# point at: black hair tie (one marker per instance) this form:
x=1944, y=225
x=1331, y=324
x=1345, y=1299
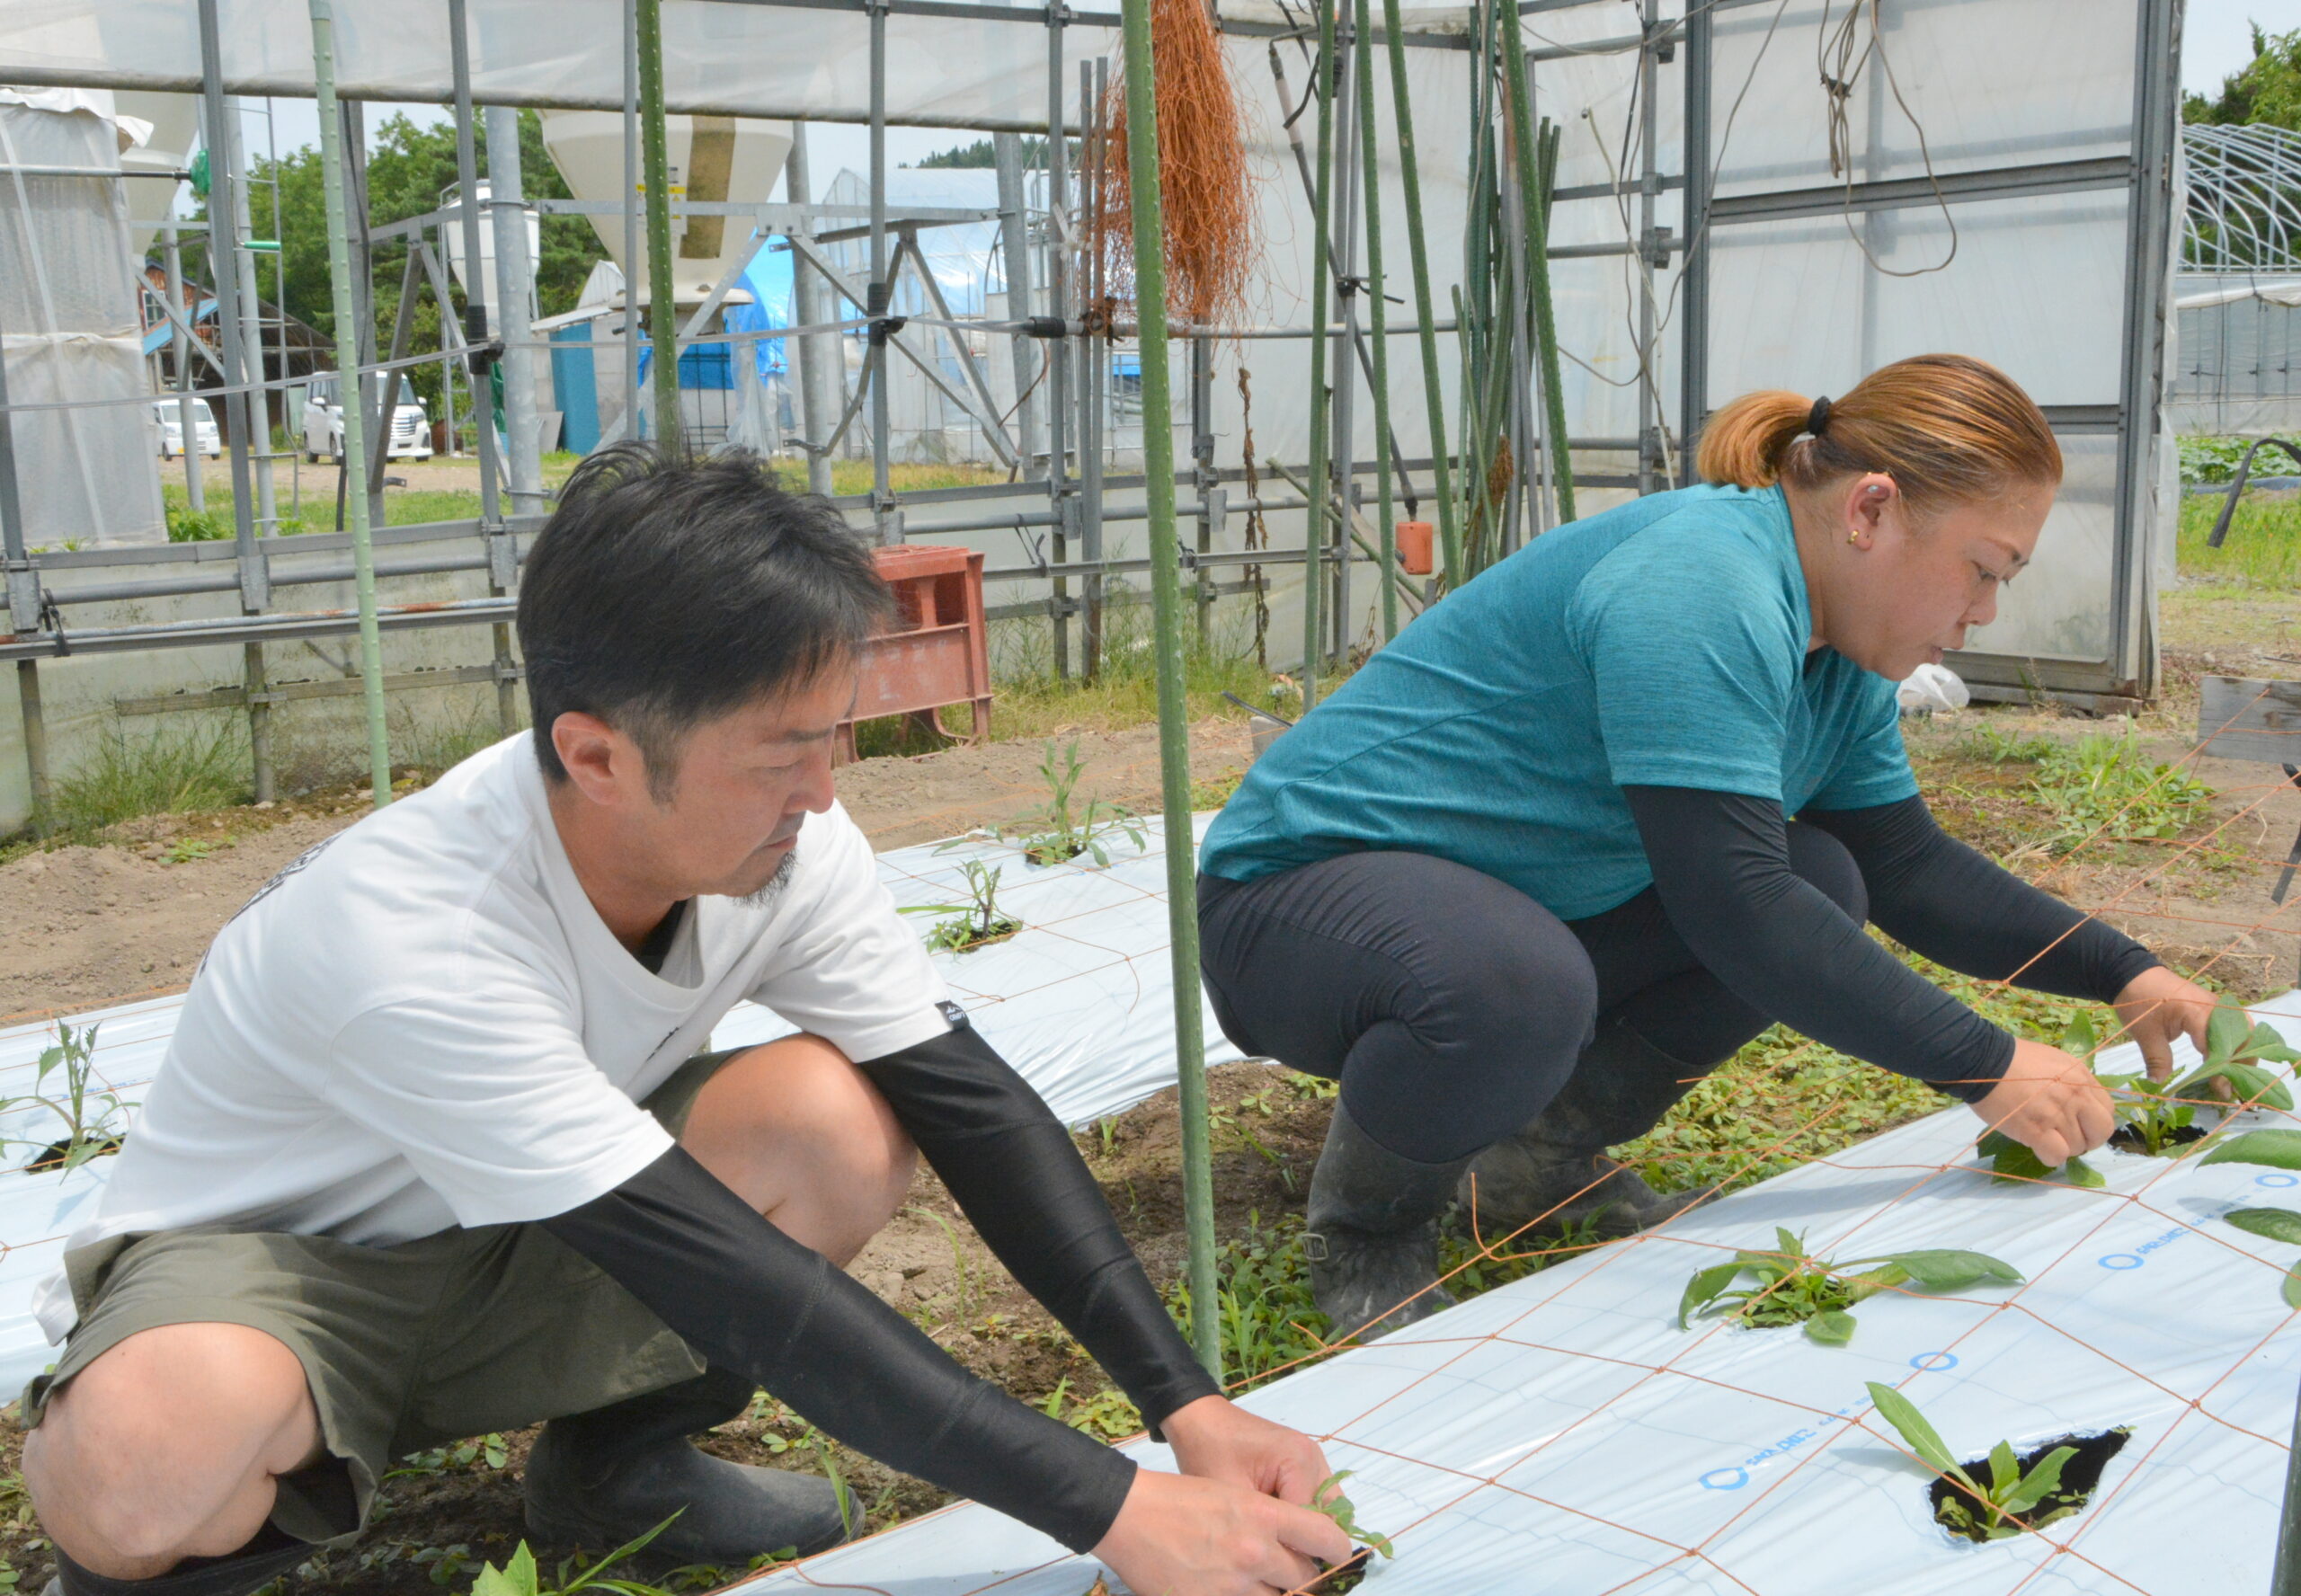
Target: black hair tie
x=1818, y=417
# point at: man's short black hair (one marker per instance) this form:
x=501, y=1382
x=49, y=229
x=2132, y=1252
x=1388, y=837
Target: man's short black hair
x=666, y=591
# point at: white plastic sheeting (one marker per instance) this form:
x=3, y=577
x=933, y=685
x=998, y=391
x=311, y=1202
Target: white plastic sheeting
x=1561, y=1434
x=1080, y=1001
x=70, y=328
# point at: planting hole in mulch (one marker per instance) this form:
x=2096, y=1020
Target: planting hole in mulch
x=53, y=1154
x=2126, y=1139
x=2079, y=1475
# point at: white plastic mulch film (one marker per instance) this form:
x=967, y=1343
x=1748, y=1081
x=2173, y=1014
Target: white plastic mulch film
x=1562, y=1435
x=1080, y=1001
x=70, y=324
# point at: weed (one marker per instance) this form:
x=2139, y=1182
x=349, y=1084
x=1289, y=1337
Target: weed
x=519, y=1577
x=486, y=1450
x=974, y=925
x=2211, y=459
x=1329, y=1500
x=1263, y=1296
x=958, y=1257
x=184, y=850
x=1796, y=1288
x=1108, y=1412
x=2101, y=786
x=169, y=772
x=1470, y=1265
x=1991, y=745
x=2262, y=547
x=2002, y=1508
x=1062, y=828
x=91, y=1114
x=1317, y=1088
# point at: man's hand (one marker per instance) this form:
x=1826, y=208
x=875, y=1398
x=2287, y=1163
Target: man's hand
x=2158, y=1005
x=1215, y=1439
x=1179, y=1536
x=2050, y=1103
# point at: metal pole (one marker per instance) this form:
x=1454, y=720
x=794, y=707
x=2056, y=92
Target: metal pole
x=663, y=321
x=24, y=611
x=355, y=452
x=1174, y=726
x=1533, y=191
x=1651, y=463
x=187, y=406
x=1370, y=153
x=1344, y=252
x=515, y=310
x=1314, y=525
x=878, y=292
x=2285, y=1580
x=1006, y=153
x=1693, y=280
x=634, y=185
x=1418, y=255
x=224, y=265
x=819, y=401
x=1062, y=350
x=267, y=507
x=1094, y=387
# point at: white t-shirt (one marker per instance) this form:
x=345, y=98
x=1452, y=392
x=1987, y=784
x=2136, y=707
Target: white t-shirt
x=423, y=1022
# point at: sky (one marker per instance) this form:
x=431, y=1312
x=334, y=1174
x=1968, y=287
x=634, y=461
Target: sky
x=2215, y=42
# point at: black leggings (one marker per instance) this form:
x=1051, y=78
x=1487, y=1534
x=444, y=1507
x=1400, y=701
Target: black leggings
x=1451, y=1007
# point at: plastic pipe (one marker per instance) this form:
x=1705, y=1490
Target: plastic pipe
x=1533, y=189
x=1370, y=153
x=1419, y=256
x=663, y=332
x=1174, y=714
x=355, y=444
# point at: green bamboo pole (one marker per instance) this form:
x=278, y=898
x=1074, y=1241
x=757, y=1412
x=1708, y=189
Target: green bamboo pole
x=355, y=421
x=1174, y=712
x=1314, y=526
x=662, y=315
x=1419, y=254
x=1369, y=152
x=1535, y=194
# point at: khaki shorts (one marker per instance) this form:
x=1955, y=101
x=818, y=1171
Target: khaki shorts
x=404, y=1347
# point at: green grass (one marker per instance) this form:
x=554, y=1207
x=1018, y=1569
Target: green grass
x=202, y=764
x=2263, y=548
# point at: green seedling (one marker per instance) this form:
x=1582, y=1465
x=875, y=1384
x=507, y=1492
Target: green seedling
x=2277, y=1224
x=1062, y=828
x=92, y=1114
x=2158, y=1117
x=1793, y=1287
x=2012, y=1162
x=1329, y=1500
x=519, y=1576
x=974, y=924
x=2008, y=1505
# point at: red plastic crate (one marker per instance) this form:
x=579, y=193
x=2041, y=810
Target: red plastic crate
x=937, y=650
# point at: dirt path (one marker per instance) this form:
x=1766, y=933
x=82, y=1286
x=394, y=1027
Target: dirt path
x=91, y=926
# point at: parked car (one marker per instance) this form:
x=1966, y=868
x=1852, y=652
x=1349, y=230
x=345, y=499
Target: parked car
x=169, y=414
x=411, y=436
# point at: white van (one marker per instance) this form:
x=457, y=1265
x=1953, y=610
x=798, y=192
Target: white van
x=411, y=436
x=169, y=414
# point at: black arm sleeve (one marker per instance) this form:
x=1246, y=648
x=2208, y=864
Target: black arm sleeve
x=749, y=1298
x=1721, y=867
x=1020, y=1180
x=1933, y=893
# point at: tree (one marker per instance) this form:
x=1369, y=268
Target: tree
x=409, y=168
x=2267, y=90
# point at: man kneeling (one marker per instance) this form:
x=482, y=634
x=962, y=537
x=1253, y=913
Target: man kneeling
x=435, y=1153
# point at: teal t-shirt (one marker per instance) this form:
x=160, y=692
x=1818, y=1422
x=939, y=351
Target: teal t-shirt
x=1661, y=644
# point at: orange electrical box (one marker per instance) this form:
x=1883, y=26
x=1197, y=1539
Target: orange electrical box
x=1414, y=548
x=937, y=649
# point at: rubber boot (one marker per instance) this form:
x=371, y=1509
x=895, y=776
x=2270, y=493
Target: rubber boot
x=1553, y=1174
x=1372, y=1235
x=251, y=1568
x=602, y=1479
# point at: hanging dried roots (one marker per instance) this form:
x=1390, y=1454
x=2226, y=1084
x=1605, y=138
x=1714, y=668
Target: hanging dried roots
x=1203, y=184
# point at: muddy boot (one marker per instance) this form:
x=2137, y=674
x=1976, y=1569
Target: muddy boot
x=601, y=1478
x=1372, y=1235
x=1553, y=1173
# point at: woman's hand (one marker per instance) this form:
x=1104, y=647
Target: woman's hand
x=2050, y=1103
x=1206, y=1537
x=1215, y=1439
x=2159, y=1005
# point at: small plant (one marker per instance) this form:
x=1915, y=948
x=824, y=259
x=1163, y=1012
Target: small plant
x=2158, y=1118
x=2102, y=786
x=90, y=1112
x=974, y=924
x=184, y=850
x=2277, y=1224
x=2015, y=1499
x=2013, y=1163
x=1062, y=828
x=519, y=1576
x=1793, y=1287
x=486, y=1449
x=1329, y=1500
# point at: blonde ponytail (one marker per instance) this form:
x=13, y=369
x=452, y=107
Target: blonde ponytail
x=1742, y=445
